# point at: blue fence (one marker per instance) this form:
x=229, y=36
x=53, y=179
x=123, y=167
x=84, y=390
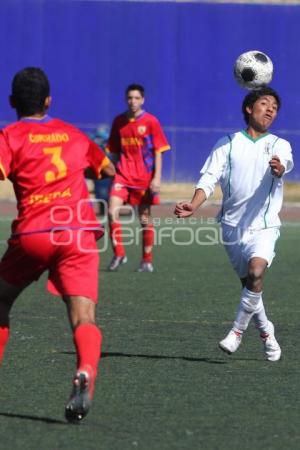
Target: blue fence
x=182, y=52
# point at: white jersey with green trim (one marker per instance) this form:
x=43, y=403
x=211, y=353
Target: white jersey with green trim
x=252, y=196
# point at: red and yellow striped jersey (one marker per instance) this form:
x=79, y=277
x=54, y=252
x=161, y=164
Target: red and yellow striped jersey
x=136, y=141
x=45, y=160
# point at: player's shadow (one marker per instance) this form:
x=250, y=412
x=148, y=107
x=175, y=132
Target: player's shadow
x=182, y=358
x=142, y=355
x=35, y=418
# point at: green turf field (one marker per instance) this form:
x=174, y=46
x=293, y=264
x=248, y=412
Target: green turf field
x=163, y=383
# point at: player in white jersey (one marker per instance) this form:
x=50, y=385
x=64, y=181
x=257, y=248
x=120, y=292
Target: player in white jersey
x=249, y=166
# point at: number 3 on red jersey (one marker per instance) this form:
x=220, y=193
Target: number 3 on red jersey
x=58, y=162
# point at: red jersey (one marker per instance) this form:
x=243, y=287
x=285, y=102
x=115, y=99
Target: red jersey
x=136, y=141
x=45, y=160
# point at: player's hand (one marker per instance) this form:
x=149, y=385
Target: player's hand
x=184, y=209
x=155, y=185
x=277, y=168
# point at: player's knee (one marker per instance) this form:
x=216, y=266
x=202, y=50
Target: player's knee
x=81, y=319
x=113, y=213
x=255, y=278
x=9, y=292
x=145, y=220
x=81, y=310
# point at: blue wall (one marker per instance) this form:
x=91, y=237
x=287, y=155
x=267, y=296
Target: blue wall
x=182, y=52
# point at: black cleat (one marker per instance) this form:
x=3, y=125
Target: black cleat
x=79, y=402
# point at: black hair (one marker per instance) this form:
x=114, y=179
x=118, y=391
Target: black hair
x=253, y=96
x=30, y=87
x=136, y=87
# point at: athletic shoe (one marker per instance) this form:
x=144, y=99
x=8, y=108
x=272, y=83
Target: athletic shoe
x=116, y=262
x=145, y=267
x=271, y=347
x=80, y=400
x=231, y=342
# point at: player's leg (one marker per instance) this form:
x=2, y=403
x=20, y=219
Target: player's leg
x=232, y=244
x=87, y=340
x=265, y=327
x=256, y=271
x=87, y=335
x=236, y=242
x=144, y=211
x=17, y=270
x=74, y=275
x=258, y=250
x=263, y=247
x=115, y=227
x=250, y=303
x=8, y=294
x=259, y=317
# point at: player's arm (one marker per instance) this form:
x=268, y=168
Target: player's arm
x=156, y=180
x=113, y=146
x=186, y=209
x=211, y=172
x=5, y=157
x=277, y=168
x=282, y=162
x=160, y=145
x=105, y=172
x=108, y=170
x=3, y=175
x=99, y=165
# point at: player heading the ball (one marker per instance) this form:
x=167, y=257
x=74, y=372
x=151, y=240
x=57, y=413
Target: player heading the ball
x=249, y=165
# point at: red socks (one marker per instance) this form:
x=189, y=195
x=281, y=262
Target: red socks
x=4, y=336
x=148, y=241
x=116, y=238
x=87, y=340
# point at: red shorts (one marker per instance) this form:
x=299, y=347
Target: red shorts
x=134, y=196
x=70, y=256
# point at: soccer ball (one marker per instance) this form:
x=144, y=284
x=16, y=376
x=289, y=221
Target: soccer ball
x=253, y=69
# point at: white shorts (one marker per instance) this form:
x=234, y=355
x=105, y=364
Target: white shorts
x=243, y=245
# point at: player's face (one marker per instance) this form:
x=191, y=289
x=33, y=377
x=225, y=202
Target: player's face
x=135, y=102
x=263, y=113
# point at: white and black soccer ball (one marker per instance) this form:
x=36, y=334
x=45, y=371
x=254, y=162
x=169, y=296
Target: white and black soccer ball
x=253, y=69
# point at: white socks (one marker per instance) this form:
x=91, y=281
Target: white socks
x=260, y=319
x=251, y=305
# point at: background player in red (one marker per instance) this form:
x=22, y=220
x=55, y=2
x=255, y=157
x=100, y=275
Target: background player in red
x=138, y=140
x=56, y=227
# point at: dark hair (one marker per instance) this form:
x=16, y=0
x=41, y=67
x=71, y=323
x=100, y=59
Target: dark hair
x=253, y=96
x=136, y=87
x=30, y=88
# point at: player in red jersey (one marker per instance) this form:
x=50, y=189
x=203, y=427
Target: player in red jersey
x=56, y=227
x=138, y=140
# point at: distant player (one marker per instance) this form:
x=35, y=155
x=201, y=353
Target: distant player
x=249, y=165
x=138, y=141
x=102, y=186
x=56, y=227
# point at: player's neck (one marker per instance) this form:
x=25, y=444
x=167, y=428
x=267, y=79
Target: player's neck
x=255, y=133
x=35, y=116
x=134, y=114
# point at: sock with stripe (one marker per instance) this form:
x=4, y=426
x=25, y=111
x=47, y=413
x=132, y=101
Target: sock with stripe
x=248, y=306
x=4, y=337
x=116, y=238
x=148, y=241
